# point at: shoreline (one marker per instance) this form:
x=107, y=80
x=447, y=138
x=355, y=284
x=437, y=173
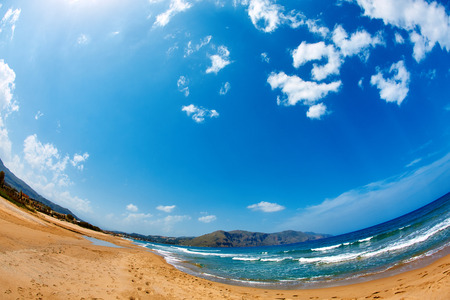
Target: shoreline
x=45, y=258
x=397, y=269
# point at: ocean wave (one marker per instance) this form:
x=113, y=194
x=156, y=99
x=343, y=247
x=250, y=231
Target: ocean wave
x=365, y=240
x=222, y=255
x=243, y=258
x=416, y=240
x=277, y=259
x=326, y=248
x=331, y=259
x=368, y=254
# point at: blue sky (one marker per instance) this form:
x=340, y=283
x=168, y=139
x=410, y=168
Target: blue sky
x=180, y=117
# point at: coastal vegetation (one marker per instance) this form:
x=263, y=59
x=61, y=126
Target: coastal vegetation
x=20, y=199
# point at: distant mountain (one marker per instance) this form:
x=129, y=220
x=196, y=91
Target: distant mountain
x=156, y=238
x=20, y=185
x=236, y=238
x=239, y=238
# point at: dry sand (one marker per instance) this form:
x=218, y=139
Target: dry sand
x=44, y=258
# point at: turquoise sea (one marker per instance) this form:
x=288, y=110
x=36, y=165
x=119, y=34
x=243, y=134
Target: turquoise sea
x=395, y=246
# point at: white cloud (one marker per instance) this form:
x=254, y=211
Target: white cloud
x=266, y=207
x=43, y=156
x=298, y=90
x=264, y=14
x=38, y=115
x=399, y=38
x=64, y=198
x=421, y=46
x=316, y=111
x=316, y=29
x=376, y=202
x=358, y=42
x=427, y=23
x=361, y=83
x=207, y=219
x=267, y=16
x=414, y=162
x=182, y=85
x=176, y=6
x=225, y=88
x=9, y=19
x=137, y=218
x=131, y=207
x=190, y=49
x=78, y=160
x=265, y=57
x=169, y=222
x=83, y=39
x=167, y=208
x=308, y=52
x=219, y=60
x=42, y=166
x=393, y=89
x=7, y=78
x=7, y=106
x=199, y=113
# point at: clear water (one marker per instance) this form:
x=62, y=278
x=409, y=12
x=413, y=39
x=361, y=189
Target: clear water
x=400, y=242
x=98, y=242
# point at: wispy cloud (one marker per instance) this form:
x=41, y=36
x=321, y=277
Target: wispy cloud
x=414, y=162
x=267, y=207
x=190, y=48
x=183, y=85
x=399, y=38
x=396, y=88
x=226, y=86
x=265, y=57
x=166, y=208
x=83, y=39
x=38, y=115
x=376, y=202
x=9, y=20
x=78, y=160
x=199, y=114
x=207, y=219
x=176, y=6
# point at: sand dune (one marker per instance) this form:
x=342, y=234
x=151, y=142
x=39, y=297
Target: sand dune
x=44, y=258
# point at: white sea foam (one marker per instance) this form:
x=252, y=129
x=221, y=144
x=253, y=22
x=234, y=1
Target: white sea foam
x=277, y=259
x=428, y=253
x=169, y=257
x=365, y=240
x=326, y=248
x=331, y=259
x=417, y=239
x=243, y=258
x=223, y=255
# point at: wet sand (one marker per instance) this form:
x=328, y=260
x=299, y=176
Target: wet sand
x=45, y=258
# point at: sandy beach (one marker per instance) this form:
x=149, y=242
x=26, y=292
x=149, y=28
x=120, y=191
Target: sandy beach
x=45, y=258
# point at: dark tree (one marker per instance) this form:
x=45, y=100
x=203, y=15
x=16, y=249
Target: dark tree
x=2, y=178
